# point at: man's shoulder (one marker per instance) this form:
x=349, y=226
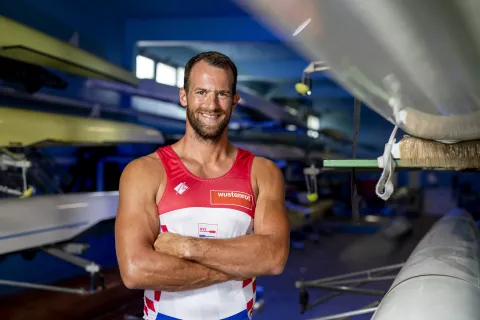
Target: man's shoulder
x=264, y=167
x=263, y=162
x=268, y=178
x=145, y=166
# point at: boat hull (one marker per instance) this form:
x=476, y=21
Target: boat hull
x=413, y=62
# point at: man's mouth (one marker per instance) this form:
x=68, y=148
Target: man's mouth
x=210, y=116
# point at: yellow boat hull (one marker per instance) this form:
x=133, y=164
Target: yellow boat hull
x=20, y=127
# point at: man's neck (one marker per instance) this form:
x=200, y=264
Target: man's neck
x=204, y=151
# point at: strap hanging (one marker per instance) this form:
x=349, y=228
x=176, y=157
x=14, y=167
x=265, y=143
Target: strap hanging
x=385, y=188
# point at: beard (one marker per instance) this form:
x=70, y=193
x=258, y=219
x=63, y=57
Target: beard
x=204, y=131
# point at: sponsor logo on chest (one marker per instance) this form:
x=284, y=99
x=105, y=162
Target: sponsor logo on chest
x=181, y=188
x=206, y=230
x=231, y=198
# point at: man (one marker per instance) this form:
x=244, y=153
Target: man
x=205, y=197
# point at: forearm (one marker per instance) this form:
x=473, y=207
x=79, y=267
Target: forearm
x=152, y=270
x=246, y=256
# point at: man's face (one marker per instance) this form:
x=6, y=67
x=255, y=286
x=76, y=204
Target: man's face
x=209, y=101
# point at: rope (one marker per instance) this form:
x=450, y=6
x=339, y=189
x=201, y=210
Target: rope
x=385, y=188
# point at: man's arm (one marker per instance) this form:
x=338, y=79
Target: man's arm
x=262, y=253
x=136, y=228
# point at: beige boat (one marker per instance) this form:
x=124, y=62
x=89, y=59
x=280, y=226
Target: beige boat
x=19, y=127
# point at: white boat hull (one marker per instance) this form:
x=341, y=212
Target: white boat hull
x=45, y=220
x=440, y=280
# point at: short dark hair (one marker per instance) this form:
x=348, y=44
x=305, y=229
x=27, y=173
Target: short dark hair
x=212, y=58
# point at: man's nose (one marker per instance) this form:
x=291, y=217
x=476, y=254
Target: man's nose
x=212, y=100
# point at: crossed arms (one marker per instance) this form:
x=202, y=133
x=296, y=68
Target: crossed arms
x=176, y=263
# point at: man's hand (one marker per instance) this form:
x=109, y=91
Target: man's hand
x=172, y=244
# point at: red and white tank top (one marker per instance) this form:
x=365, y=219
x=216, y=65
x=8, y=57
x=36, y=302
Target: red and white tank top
x=218, y=208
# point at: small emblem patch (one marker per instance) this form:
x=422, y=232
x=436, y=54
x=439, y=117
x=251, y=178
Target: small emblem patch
x=181, y=188
x=206, y=230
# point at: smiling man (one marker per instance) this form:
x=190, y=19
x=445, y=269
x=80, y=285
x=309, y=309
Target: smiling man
x=198, y=220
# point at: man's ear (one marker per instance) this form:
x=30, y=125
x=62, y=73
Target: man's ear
x=236, y=99
x=183, y=97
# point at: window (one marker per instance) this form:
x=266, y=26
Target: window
x=166, y=74
x=180, y=75
x=145, y=68
x=162, y=73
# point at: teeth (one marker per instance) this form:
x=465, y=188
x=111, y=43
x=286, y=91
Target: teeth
x=211, y=116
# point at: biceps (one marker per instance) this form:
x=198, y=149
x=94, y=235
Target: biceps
x=271, y=218
x=134, y=231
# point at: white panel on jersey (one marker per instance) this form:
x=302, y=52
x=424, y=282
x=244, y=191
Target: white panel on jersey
x=213, y=223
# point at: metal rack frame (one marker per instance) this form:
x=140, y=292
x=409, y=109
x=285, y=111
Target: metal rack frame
x=93, y=269
x=347, y=283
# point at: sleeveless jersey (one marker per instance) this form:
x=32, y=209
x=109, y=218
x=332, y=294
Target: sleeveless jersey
x=217, y=208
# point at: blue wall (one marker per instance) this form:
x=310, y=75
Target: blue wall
x=100, y=28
